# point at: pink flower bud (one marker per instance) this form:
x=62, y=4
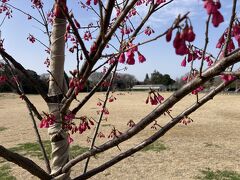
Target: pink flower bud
x=184, y=62
x=169, y=35
x=141, y=58
x=121, y=58
x=217, y=19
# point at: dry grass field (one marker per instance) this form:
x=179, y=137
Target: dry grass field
x=211, y=141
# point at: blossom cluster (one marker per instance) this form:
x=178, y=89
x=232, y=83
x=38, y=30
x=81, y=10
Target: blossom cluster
x=191, y=76
x=77, y=84
x=31, y=38
x=68, y=124
x=72, y=128
x=227, y=77
x=115, y=133
x=154, y=98
x=212, y=7
x=235, y=34
x=182, y=36
x=47, y=121
x=131, y=123
x=157, y=2
x=3, y=79
x=85, y=123
x=130, y=59
x=196, y=54
x=88, y=2
x=186, y=120
x=5, y=9
x=37, y=3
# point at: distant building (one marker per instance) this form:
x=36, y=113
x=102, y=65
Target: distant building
x=159, y=87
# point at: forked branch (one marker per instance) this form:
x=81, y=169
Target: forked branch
x=157, y=135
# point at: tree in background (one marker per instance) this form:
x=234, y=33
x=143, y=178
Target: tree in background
x=147, y=80
x=102, y=45
x=158, y=78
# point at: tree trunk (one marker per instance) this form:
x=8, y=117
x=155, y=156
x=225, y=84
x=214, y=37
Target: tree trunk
x=57, y=87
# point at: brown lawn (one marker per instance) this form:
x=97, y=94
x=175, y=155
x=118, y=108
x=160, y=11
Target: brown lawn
x=211, y=141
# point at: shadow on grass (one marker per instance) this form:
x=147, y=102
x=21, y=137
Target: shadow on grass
x=33, y=149
x=211, y=145
x=209, y=174
x=156, y=146
x=2, y=129
x=5, y=171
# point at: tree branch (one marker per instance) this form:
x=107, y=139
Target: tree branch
x=81, y=104
x=24, y=162
x=225, y=49
x=100, y=117
x=77, y=35
x=30, y=106
x=206, y=43
x=155, y=136
x=24, y=71
x=214, y=70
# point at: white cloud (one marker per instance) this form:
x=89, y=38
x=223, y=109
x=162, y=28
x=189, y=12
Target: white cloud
x=172, y=10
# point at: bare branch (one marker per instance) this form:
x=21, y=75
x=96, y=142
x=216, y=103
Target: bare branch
x=24, y=162
x=24, y=71
x=174, y=26
x=39, y=139
x=81, y=104
x=113, y=29
x=225, y=49
x=214, y=70
x=100, y=117
x=155, y=136
x=236, y=73
x=77, y=35
x=24, y=13
x=206, y=43
x=29, y=106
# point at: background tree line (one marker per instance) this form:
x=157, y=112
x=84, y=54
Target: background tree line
x=158, y=78
x=123, y=81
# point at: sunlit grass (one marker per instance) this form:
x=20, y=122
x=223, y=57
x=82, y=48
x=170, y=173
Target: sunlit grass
x=33, y=149
x=209, y=174
x=5, y=173
x=156, y=146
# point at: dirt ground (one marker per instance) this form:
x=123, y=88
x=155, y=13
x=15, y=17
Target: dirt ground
x=211, y=141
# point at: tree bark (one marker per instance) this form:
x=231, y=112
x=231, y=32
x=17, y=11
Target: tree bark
x=24, y=162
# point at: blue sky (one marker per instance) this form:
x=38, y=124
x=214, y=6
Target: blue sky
x=159, y=54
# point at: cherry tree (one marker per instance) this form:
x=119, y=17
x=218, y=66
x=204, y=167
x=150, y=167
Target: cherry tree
x=115, y=38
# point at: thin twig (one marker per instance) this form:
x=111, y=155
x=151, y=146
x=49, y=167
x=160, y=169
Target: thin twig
x=100, y=118
x=214, y=70
x=229, y=32
x=205, y=46
x=24, y=71
x=77, y=35
x=39, y=139
x=24, y=13
x=155, y=136
x=81, y=104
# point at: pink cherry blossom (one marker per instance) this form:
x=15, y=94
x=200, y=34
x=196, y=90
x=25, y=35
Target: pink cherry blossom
x=184, y=62
x=141, y=58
